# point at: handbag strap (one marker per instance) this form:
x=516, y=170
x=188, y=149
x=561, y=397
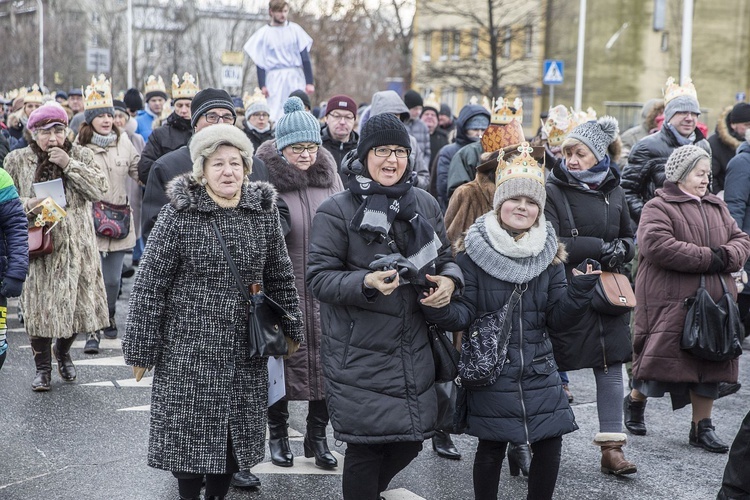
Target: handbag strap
x=512, y=303
x=568, y=211
x=230, y=261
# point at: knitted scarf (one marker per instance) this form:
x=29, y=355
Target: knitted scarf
x=591, y=177
x=684, y=141
x=45, y=169
x=103, y=141
x=381, y=205
x=503, y=257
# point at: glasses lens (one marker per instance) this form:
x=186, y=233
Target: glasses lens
x=401, y=153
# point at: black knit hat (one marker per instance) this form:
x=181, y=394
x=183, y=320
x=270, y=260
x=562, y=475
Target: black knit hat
x=381, y=130
x=208, y=99
x=412, y=99
x=740, y=113
x=304, y=97
x=133, y=100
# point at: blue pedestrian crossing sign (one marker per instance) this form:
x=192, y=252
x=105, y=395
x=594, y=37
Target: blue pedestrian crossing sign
x=553, y=72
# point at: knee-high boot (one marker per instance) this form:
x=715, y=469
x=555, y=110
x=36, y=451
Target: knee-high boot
x=65, y=366
x=278, y=441
x=40, y=347
x=315, y=440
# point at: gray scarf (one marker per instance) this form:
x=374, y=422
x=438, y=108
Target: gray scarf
x=502, y=257
x=103, y=141
x=684, y=141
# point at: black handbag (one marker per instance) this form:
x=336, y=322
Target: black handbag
x=264, y=315
x=445, y=355
x=111, y=221
x=713, y=330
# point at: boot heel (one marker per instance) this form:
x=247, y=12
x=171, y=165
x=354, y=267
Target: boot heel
x=308, y=449
x=515, y=470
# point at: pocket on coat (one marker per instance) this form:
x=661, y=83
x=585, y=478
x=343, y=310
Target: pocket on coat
x=545, y=365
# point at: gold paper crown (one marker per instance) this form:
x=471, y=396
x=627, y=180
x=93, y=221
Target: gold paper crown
x=431, y=102
x=579, y=117
x=502, y=114
x=32, y=95
x=248, y=100
x=187, y=90
x=523, y=166
x=558, y=125
x=673, y=90
x=155, y=85
x=98, y=94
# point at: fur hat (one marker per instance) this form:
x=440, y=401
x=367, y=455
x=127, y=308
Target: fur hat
x=682, y=161
x=208, y=99
x=520, y=177
x=596, y=135
x=205, y=142
x=47, y=116
x=381, y=130
x=297, y=125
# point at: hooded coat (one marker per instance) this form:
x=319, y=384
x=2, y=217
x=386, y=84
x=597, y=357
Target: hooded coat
x=644, y=173
x=377, y=360
x=303, y=191
x=675, y=237
x=174, y=134
x=600, y=215
x=188, y=320
x=724, y=144
x=64, y=291
x=447, y=152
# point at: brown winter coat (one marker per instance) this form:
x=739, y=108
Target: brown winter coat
x=468, y=202
x=675, y=235
x=119, y=162
x=303, y=191
x=64, y=292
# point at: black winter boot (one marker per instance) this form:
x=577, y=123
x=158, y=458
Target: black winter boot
x=40, y=347
x=315, y=440
x=704, y=436
x=65, y=366
x=633, y=413
x=278, y=440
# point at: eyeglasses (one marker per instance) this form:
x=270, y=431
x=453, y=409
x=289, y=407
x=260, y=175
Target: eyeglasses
x=216, y=118
x=298, y=150
x=57, y=130
x=340, y=117
x=260, y=115
x=386, y=152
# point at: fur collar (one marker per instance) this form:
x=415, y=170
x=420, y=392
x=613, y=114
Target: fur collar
x=185, y=194
x=725, y=133
x=285, y=177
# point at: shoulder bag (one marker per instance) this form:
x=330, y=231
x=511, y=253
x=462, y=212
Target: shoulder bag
x=265, y=330
x=713, y=330
x=40, y=241
x=111, y=221
x=444, y=354
x=613, y=294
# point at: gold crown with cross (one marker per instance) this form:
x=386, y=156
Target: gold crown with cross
x=98, y=94
x=154, y=84
x=33, y=94
x=522, y=166
x=503, y=113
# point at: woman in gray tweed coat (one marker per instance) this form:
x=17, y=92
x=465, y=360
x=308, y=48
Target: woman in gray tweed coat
x=188, y=321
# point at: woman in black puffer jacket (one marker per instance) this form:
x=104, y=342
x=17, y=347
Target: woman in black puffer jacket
x=512, y=248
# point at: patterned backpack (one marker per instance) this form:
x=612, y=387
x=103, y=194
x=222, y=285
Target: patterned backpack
x=485, y=346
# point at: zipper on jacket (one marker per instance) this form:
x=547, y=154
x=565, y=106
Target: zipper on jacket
x=520, y=377
x=346, y=346
x=606, y=209
x=310, y=305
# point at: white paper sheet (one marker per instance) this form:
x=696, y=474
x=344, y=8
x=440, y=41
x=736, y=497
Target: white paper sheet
x=276, y=382
x=53, y=189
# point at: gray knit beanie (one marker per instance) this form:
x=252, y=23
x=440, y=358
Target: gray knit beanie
x=90, y=114
x=596, y=135
x=521, y=176
x=205, y=142
x=297, y=125
x=679, y=104
x=259, y=106
x=682, y=161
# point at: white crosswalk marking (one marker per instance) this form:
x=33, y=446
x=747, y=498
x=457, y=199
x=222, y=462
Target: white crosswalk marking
x=302, y=465
x=137, y=408
x=78, y=344
x=108, y=361
x=128, y=382
x=401, y=494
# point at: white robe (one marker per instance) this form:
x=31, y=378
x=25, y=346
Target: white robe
x=276, y=49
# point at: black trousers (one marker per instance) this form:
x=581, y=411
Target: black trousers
x=369, y=468
x=736, y=482
x=217, y=485
x=545, y=465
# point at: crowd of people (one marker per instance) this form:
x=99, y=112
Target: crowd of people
x=373, y=225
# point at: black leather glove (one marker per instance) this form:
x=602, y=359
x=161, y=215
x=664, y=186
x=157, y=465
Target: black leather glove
x=613, y=253
x=406, y=269
x=718, y=260
x=11, y=287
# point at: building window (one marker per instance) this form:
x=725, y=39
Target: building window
x=660, y=14
x=474, y=43
x=445, y=45
x=664, y=41
x=95, y=18
x=456, y=45
x=94, y=40
x=528, y=41
x=448, y=96
x=507, y=37
x=427, y=43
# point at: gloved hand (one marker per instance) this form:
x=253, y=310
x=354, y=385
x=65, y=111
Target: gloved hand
x=718, y=260
x=11, y=287
x=613, y=253
x=385, y=262
x=292, y=345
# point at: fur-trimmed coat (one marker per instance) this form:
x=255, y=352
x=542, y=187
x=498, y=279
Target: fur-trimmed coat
x=724, y=144
x=468, y=202
x=303, y=191
x=64, y=292
x=188, y=320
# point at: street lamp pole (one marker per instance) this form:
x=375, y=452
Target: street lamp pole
x=130, y=44
x=579, y=58
x=687, y=41
x=40, y=13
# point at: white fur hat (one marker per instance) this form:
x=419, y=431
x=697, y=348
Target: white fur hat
x=204, y=143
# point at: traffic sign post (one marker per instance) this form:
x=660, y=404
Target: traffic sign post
x=553, y=75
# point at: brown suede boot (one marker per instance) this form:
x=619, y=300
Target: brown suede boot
x=61, y=350
x=40, y=348
x=613, y=459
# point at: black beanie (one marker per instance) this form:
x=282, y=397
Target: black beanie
x=412, y=99
x=119, y=105
x=381, y=130
x=446, y=111
x=303, y=97
x=740, y=113
x=132, y=100
x=208, y=99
